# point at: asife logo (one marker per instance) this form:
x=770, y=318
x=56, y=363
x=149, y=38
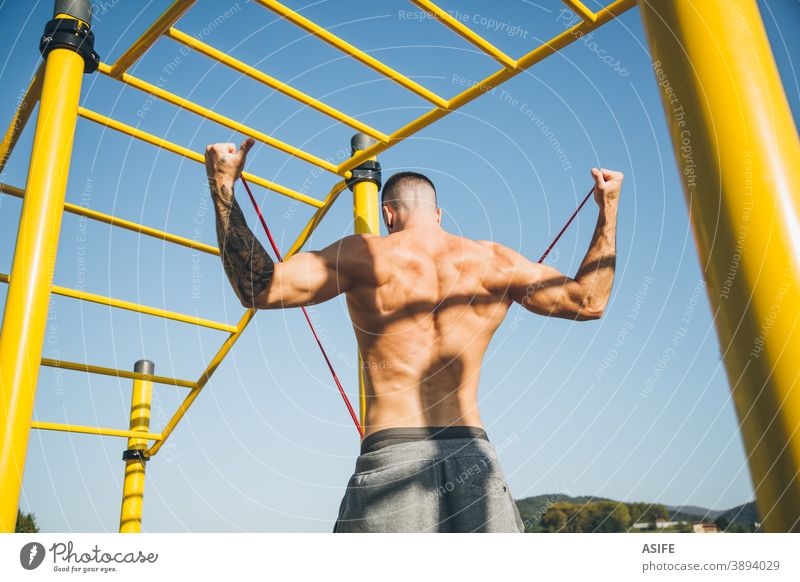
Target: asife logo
x=31, y=555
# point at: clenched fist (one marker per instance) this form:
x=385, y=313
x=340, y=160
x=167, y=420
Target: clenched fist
x=224, y=163
x=607, y=184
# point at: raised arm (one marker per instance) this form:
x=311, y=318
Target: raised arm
x=258, y=282
x=542, y=289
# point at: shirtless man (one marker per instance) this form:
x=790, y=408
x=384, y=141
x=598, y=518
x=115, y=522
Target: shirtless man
x=424, y=305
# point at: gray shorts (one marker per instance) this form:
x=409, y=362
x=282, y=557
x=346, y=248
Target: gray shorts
x=428, y=480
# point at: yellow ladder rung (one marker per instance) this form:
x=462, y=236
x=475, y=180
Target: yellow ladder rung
x=189, y=154
x=141, y=45
x=466, y=33
x=349, y=49
x=136, y=307
x=92, y=369
x=581, y=10
x=97, y=430
x=218, y=118
x=122, y=223
x=261, y=77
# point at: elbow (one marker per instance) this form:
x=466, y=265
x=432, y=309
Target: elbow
x=590, y=314
x=592, y=309
x=248, y=302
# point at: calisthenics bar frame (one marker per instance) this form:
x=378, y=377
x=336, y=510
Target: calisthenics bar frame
x=679, y=53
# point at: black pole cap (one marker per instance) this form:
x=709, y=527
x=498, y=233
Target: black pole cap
x=80, y=9
x=144, y=367
x=361, y=141
x=74, y=33
x=368, y=170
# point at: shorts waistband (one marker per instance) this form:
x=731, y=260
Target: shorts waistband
x=393, y=436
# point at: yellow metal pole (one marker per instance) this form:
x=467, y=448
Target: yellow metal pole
x=25, y=313
x=130, y=518
x=365, y=183
x=739, y=158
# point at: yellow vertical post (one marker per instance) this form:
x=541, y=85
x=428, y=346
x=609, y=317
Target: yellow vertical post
x=739, y=159
x=365, y=183
x=130, y=518
x=25, y=313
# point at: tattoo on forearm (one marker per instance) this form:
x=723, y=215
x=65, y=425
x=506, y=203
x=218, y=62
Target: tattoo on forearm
x=248, y=266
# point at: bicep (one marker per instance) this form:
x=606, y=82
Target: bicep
x=543, y=289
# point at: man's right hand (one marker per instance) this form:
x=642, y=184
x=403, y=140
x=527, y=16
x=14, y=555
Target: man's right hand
x=607, y=184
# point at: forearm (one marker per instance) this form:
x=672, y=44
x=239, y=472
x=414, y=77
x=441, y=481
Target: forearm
x=596, y=273
x=248, y=266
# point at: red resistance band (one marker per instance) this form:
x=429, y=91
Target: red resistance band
x=305, y=313
x=311, y=325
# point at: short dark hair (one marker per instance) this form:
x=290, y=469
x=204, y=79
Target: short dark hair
x=398, y=182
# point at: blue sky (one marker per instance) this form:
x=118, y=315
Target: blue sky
x=630, y=407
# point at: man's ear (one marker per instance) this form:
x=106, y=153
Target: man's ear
x=439, y=215
x=388, y=217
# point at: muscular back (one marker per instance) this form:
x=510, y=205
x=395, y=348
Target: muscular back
x=424, y=309
x=424, y=303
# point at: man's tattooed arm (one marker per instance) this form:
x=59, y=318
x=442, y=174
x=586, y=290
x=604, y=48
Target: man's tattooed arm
x=247, y=264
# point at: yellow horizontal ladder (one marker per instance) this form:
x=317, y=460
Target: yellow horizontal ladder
x=189, y=154
x=347, y=48
x=279, y=86
x=135, y=307
x=121, y=223
x=104, y=371
x=538, y=54
x=115, y=432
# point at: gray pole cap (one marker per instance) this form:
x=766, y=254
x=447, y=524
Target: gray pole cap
x=361, y=141
x=144, y=367
x=80, y=9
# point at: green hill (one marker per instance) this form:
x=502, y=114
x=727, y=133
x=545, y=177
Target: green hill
x=586, y=513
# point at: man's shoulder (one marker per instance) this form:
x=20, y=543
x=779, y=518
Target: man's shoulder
x=495, y=251
x=357, y=242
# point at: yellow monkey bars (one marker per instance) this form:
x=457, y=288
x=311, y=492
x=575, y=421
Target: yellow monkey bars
x=365, y=201
x=23, y=323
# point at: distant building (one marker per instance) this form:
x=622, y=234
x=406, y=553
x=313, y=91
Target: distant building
x=705, y=527
x=660, y=524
